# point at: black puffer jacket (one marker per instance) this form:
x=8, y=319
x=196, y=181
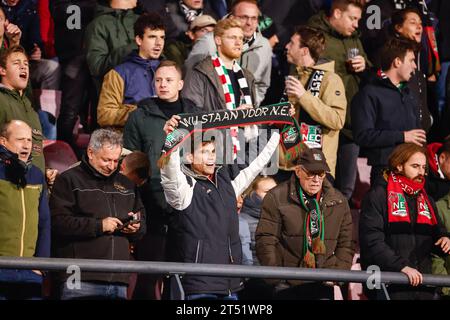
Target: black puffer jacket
x=394, y=246
x=81, y=199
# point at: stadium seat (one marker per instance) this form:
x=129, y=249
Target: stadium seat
x=58, y=155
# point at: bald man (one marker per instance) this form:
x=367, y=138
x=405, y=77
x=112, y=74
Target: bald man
x=24, y=213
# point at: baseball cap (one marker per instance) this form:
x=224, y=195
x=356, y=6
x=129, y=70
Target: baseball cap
x=313, y=160
x=202, y=21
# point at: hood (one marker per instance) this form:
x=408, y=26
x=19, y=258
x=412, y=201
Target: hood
x=15, y=169
x=433, y=160
x=252, y=205
x=322, y=64
x=190, y=173
x=134, y=57
x=320, y=21
x=21, y=6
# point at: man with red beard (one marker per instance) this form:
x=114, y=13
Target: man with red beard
x=438, y=182
x=399, y=226
x=218, y=82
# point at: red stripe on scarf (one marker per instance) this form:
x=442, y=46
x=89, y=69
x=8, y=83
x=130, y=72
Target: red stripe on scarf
x=398, y=210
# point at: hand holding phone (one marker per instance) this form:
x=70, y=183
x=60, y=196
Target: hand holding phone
x=130, y=224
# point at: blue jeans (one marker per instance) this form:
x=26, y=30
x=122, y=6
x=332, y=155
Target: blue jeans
x=212, y=296
x=18, y=284
x=346, y=167
x=94, y=290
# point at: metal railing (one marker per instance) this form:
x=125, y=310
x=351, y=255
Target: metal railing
x=215, y=270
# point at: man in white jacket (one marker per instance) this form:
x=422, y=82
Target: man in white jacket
x=205, y=228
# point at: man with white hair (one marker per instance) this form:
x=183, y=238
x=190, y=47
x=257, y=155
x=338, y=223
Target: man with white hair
x=96, y=212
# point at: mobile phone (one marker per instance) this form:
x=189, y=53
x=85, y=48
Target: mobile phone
x=132, y=219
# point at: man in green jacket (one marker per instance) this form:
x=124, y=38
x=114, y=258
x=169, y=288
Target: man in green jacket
x=342, y=43
x=15, y=73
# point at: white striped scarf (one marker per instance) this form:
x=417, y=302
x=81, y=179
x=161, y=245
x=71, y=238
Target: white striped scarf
x=227, y=87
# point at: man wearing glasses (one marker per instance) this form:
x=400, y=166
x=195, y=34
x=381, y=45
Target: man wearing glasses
x=307, y=223
x=256, y=52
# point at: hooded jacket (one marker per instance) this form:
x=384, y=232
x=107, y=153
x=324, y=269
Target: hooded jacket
x=437, y=184
x=206, y=227
x=336, y=48
x=280, y=232
x=81, y=198
x=328, y=110
x=24, y=213
x=382, y=113
x=109, y=39
x=123, y=87
x=257, y=59
x=14, y=106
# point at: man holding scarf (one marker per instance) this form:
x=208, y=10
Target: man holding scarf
x=317, y=93
x=305, y=222
x=400, y=227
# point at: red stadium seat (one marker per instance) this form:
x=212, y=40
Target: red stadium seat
x=58, y=155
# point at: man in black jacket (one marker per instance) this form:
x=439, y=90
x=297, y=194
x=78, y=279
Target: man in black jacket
x=399, y=226
x=91, y=205
x=385, y=111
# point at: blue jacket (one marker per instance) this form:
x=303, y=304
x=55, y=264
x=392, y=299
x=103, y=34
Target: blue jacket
x=138, y=74
x=26, y=17
x=123, y=87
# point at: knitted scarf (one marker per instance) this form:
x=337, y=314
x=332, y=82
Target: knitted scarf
x=398, y=207
x=313, y=241
x=227, y=87
x=189, y=14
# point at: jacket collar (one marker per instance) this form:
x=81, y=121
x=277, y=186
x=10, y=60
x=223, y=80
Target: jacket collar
x=134, y=57
x=150, y=107
x=92, y=171
x=330, y=197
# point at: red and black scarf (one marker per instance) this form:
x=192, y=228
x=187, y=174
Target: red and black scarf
x=398, y=210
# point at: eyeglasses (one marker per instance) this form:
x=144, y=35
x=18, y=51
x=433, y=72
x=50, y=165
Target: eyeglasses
x=234, y=38
x=311, y=175
x=247, y=18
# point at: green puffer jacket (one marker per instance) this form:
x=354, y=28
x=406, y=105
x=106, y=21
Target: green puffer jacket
x=441, y=264
x=109, y=39
x=336, y=49
x=14, y=106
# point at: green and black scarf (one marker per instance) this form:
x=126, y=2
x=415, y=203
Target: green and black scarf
x=314, y=228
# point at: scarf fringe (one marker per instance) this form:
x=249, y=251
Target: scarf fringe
x=309, y=260
x=318, y=246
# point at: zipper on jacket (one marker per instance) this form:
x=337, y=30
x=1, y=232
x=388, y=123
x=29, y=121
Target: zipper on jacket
x=22, y=194
x=198, y=251
x=229, y=251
